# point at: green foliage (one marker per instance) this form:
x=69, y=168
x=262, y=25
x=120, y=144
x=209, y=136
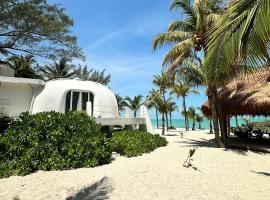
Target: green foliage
x=36, y=27
x=52, y=141
x=134, y=143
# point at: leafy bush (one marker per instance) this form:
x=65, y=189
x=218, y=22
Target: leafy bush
x=52, y=141
x=133, y=143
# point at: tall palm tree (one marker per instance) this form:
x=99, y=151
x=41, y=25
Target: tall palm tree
x=182, y=89
x=60, y=69
x=121, y=103
x=23, y=66
x=172, y=107
x=151, y=101
x=192, y=115
x=190, y=36
x=134, y=104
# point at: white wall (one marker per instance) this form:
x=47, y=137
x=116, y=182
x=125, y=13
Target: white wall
x=15, y=98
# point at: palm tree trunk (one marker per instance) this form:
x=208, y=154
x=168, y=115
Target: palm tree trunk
x=236, y=120
x=163, y=124
x=167, y=121
x=157, y=116
x=185, y=111
x=193, y=125
x=212, y=102
x=170, y=119
x=210, y=126
x=135, y=114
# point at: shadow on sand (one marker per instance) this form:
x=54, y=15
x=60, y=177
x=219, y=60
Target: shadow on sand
x=198, y=143
x=97, y=191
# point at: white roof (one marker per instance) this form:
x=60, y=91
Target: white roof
x=6, y=79
x=52, y=96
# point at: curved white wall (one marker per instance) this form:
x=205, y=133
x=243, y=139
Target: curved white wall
x=52, y=97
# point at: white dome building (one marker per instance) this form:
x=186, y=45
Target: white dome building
x=63, y=95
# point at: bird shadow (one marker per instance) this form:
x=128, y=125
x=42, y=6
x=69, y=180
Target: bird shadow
x=96, y=191
x=261, y=173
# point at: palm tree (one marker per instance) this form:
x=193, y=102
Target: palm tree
x=61, y=69
x=151, y=102
x=243, y=32
x=192, y=115
x=182, y=89
x=162, y=107
x=23, y=66
x=93, y=75
x=199, y=119
x=120, y=103
x=134, y=104
x=172, y=107
x=190, y=34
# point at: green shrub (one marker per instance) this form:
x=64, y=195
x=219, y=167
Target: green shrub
x=52, y=141
x=133, y=143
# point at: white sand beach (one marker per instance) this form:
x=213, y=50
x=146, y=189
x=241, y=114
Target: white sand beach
x=222, y=174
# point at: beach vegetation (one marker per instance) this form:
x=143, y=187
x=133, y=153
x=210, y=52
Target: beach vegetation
x=135, y=143
x=52, y=141
x=134, y=103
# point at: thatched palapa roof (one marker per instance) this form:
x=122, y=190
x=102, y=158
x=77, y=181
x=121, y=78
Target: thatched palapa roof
x=245, y=95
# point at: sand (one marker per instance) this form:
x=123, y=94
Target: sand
x=222, y=174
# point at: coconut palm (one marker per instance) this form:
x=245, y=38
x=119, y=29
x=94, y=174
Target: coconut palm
x=171, y=107
x=199, y=119
x=162, y=107
x=192, y=115
x=182, y=89
x=60, y=69
x=134, y=104
x=151, y=101
x=93, y=75
x=23, y=66
x=190, y=34
x=243, y=32
x=120, y=103
x=163, y=82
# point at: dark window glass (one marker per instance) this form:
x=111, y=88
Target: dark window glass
x=84, y=100
x=92, y=102
x=75, y=100
x=68, y=101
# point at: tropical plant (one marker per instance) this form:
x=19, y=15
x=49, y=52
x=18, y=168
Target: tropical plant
x=52, y=141
x=37, y=28
x=121, y=103
x=61, y=69
x=134, y=103
x=23, y=66
x=243, y=32
x=183, y=89
x=192, y=115
x=93, y=75
x=171, y=107
x=190, y=34
x=135, y=143
x=199, y=119
x=151, y=101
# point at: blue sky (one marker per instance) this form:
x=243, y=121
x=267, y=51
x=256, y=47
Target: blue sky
x=117, y=34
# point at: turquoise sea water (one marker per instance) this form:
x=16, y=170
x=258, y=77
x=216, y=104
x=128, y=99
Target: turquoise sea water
x=180, y=123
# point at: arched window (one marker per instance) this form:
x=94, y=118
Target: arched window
x=77, y=100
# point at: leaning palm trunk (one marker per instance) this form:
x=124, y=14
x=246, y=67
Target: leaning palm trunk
x=185, y=111
x=212, y=102
x=167, y=121
x=170, y=119
x=210, y=126
x=157, y=117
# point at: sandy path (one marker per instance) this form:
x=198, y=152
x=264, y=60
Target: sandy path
x=230, y=174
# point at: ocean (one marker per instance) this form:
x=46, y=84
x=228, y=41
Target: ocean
x=180, y=123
